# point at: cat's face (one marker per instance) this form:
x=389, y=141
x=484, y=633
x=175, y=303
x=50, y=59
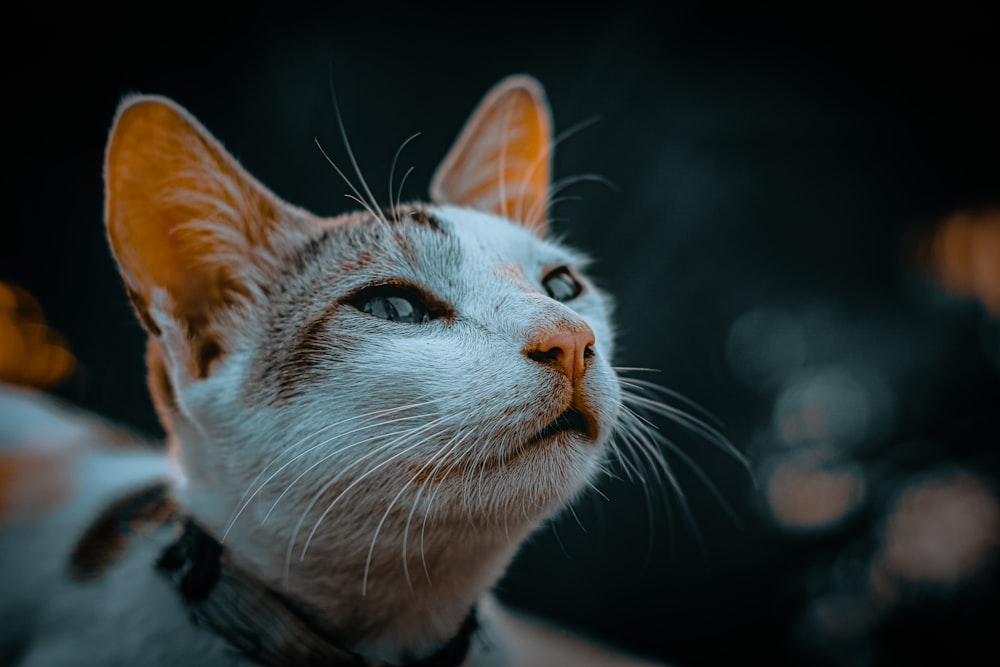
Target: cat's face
x=437, y=363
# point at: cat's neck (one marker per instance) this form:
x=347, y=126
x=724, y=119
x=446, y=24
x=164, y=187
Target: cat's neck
x=273, y=630
x=396, y=614
x=365, y=597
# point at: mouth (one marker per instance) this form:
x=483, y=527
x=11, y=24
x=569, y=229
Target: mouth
x=572, y=421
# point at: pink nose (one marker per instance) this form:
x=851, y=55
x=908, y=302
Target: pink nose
x=568, y=350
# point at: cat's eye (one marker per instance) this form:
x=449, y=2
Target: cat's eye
x=394, y=303
x=561, y=284
x=396, y=308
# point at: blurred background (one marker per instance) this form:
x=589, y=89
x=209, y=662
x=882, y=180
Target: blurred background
x=803, y=237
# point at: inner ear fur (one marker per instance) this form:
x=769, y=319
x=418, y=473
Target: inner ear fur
x=501, y=161
x=193, y=233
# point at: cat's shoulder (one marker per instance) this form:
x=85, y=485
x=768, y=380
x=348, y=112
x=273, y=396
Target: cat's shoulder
x=57, y=459
x=60, y=468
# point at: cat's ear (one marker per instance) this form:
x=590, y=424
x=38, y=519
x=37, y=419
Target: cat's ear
x=501, y=161
x=193, y=233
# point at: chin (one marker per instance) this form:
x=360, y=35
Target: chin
x=541, y=477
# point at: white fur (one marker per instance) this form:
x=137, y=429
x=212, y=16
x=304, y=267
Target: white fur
x=469, y=378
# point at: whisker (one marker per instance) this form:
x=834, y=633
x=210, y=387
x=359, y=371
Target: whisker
x=502, y=162
x=292, y=448
x=546, y=154
x=647, y=496
x=355, y=199
x=350, y=151
x=575, y=516
x=484, y=436
x=693, y=424
x=598, y=491
x=641, y=384
x=330, y=455
x=656, y=467
x=482, y=460
x=709, y=484
x=483, y=456
x=559, y=200
x=637, y=434
x=357, y=481
x=625, y=464
x=430, y=502
x=399, y=193
x=650, y=519
x=642, y=426
x=562, y=184
x=673, y=484
x=378, y=528
x=650, y=433
x=316, y=496
x=392, y=170
x=555, y=533
x=420, y=491
x=358, y=196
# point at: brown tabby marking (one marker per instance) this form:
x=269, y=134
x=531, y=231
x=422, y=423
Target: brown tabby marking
x=356, y=263
x=161, y=389
x=108, y=538
x=311, y=346
x=142, y=310
x=423, y=219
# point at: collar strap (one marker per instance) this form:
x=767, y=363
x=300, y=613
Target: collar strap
x=258, y=620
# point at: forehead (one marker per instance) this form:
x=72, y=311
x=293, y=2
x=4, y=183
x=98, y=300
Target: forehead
x=446, y=249
x=492, y=241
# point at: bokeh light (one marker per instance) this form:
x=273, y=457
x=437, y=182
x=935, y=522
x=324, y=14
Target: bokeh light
x=834, y=404
x=806, y=494
x=941, y=530
x=962, y=253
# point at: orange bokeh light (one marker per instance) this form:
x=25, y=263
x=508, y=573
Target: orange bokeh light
x=962, y=253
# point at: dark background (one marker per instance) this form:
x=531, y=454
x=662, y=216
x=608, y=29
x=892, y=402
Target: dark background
x=769, y=165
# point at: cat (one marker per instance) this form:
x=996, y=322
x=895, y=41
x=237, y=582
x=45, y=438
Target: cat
x=365, y=416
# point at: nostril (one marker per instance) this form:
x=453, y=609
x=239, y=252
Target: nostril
x=544, y=356
x=566, y=350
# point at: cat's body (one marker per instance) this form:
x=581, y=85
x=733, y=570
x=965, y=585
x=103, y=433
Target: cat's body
x=369, y=413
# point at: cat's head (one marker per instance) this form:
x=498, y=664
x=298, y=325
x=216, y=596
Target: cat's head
x=438, y=363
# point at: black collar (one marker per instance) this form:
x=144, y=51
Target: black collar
x=261, y=622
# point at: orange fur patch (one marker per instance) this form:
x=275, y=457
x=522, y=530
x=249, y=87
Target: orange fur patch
x=33, y=483
x=184, y=217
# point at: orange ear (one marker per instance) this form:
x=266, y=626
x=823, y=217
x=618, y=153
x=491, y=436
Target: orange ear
x=501, y=161
x=190, y=228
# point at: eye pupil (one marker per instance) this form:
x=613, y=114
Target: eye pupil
x=378, y=307
x=396, y=308
x=561, y=285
